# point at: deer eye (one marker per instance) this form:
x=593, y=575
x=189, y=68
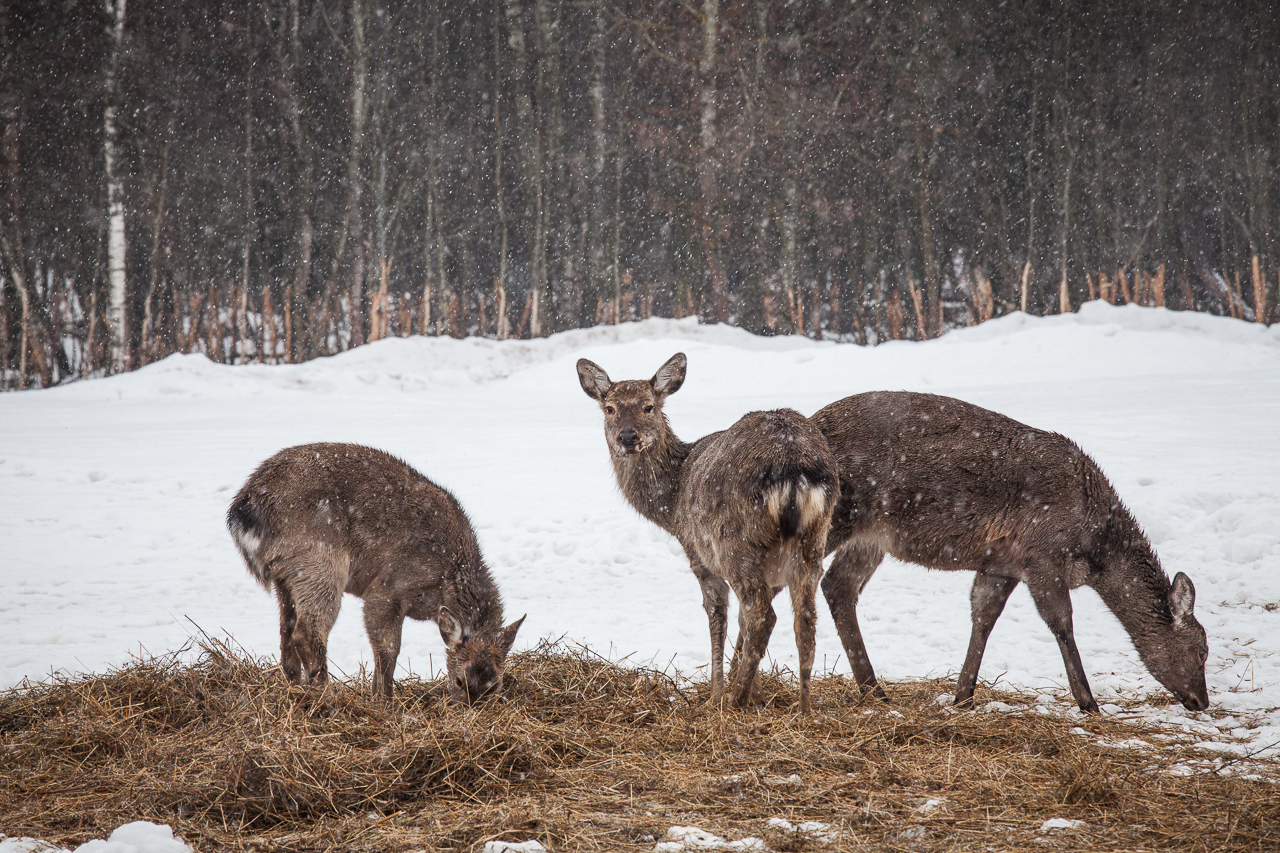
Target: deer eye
x=648, y=410
x=458, y=680
x=609, y=410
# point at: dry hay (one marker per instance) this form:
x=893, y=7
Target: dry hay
x=585, y=754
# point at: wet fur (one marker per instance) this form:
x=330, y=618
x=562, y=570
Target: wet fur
x=318, y=520
x=751, y=506
x=949, y=485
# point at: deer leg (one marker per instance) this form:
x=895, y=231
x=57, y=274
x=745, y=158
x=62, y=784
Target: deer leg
x=758, y=622
x=756, y=697
x=986, y=602
x=290, y=660
x=715, y=600
x=383, y=622
x=804, y=587
x=851, y=568
x=317, y=595
x=1054, y=605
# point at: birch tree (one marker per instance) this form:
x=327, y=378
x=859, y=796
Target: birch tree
x=117, y=282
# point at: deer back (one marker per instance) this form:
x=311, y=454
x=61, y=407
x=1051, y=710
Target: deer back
x=946, y=484
x=378, y=517
x=767, y=478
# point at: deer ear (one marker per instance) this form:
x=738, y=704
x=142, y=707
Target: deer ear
x=594, y=380
x=507, y=636
x=450, y=629
x=670, y=376
x=1182, y=599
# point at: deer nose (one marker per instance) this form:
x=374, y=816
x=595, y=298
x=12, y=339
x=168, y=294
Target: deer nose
x=628, y=438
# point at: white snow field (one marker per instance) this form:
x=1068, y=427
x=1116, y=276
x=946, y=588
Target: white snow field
x=113, y=494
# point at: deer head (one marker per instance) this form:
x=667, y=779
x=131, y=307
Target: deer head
x=633, y=419
x=1176, y=653
x=474, y=660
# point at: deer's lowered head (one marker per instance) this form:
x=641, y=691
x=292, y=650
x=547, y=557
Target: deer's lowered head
x=475, y=660
x=633, y=419
x=1174, y=647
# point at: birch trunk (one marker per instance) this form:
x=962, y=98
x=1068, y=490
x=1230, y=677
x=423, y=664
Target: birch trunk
x=117, y=283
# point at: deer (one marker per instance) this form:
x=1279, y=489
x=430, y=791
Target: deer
x=317, y=520
x=750, y=505
x=948, y=485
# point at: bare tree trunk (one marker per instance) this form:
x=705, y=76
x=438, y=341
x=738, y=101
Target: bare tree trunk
x=117, y=308
x=599, y=145
x=531, y=147
x=708, y=165
x=432, y=242
x=1027, y=267
x=930, y=325
x=553, y=216
x=18, y=276
x=250, y=219
x=1064, y=295
x=355, y=211
x=502, y=328
x=286, y=25
x=158, y=203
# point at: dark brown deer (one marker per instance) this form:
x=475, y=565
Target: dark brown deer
x=319, y=520
x=948, y=485
x=751, y=505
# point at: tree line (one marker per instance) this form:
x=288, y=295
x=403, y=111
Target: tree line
x=275, y=180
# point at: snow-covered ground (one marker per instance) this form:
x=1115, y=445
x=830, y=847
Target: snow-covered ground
x=113, y=492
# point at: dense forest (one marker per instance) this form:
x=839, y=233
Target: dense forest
x=275, y=180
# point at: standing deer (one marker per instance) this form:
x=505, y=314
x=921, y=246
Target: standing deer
x=318, y=520
x=948, y=485
x=751, y=505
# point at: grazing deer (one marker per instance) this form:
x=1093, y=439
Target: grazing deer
x=751, y=505
x=948, y=485
x=318, y=520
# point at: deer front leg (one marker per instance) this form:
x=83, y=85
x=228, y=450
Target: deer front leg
x=1054, y=605
x=384, y=623
x=758, y=620
x=986, y=602
x=715, y=600
x=852, y=567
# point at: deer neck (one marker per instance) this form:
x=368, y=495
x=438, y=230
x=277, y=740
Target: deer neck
x=651, y=480
x=470, y=593
x=1134, y=586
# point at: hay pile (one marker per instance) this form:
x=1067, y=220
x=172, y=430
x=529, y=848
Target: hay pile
x=589, y=755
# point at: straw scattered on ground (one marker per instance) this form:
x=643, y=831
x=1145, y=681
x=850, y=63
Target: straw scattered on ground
x=587, y=754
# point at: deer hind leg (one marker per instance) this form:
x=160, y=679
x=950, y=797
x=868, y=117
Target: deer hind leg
x=986, y=602
x=756, y=696
x=755, y=598
x=314, y=584
x=384, y=623
x=290, y=660
x=1053, y=601
x=851, y=568
x=715, y=600
x=804, y=588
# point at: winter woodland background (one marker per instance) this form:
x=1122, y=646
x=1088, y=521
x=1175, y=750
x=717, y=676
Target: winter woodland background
x=274, y=180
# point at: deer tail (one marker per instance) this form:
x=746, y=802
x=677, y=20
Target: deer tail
x=797, y=496
x=248, y=531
